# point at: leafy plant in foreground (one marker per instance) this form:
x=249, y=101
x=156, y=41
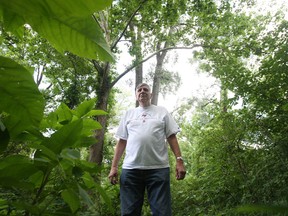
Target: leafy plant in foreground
x=53, y=179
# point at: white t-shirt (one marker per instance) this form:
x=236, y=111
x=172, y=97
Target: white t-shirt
x=146, y=129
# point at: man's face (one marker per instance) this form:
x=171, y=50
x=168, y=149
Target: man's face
x=143, y=94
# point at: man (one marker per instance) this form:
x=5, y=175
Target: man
x=142, y=133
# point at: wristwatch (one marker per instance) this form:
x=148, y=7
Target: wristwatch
x=179, y=158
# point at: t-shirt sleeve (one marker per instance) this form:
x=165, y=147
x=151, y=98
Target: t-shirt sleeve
x=122, y=132
x=171, y=127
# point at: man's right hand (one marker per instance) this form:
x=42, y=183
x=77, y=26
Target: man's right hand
x=113, y=176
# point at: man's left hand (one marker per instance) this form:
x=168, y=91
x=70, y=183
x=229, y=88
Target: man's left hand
x=180, y=170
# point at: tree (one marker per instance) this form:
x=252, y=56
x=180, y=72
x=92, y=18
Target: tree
x=239, y=155
x=29, y=179
x=152, y=32
x=134, y=29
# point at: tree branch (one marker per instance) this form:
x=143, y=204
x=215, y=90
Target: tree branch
x=97, y=66
x=147, y=58
x=129, y=21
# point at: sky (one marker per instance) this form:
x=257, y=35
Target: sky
x=193, y=82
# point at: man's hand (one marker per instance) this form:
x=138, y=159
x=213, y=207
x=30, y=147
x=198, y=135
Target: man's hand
x=113, y=175
x=180, y=170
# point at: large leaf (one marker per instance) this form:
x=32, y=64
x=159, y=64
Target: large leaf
x=85, y=142
x=20, y=97
x=3, y=204
x=84, y=107
x=14, y=171
x=43, y=152
x=64, y=114
x=81, y=36
x=4, y=137
x=90, y=183
x=13, y=23
x=79, y=8
x=90, y=125
x=272, y=209
x=96, y=113
x=67, y=25
x=28, y=207
x=85, y=197
x=65, y=137
x=72, y=199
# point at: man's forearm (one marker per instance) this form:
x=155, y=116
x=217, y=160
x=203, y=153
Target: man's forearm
x=173, y=142
x=119, y=150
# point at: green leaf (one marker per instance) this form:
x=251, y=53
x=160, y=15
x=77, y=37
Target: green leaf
x=85, y=142
x=89, y=166
x=1, y=14
x=96, y=113
x=65, y=137
x=67, y=166
x=3, y=204
x=36, y=179
x=90, y=125
x=88, y=180
x=64, y=114
x=84, y=107
x=72, y=199
x=104, y=195
x=14, y=170
x=14, y=160
x=82, y=37
x=263, y=208
x=80, y=8
x=51, y=121
x=20, y=97
x=16, y=183
x=90, y=183
x=285, y=107
x=85, y=196
x=74, y=8
x=71, y=154
x=43, y=150
x=77, y=172
x=14, y=23
x=67, y=25
x=24, y=205
x=4, y=137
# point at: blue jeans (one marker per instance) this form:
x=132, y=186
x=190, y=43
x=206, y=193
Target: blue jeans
x=134, y=182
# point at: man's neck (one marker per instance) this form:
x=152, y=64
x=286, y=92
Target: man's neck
x=144, y=104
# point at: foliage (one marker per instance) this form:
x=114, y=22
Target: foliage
x=66, y=25
x=50, y=177
x=238, y=156
x=26, y=110
x=53, y=179
x=154, y=27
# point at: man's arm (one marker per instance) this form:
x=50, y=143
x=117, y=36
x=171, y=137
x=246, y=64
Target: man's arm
x=119, y=150
x=180, y=168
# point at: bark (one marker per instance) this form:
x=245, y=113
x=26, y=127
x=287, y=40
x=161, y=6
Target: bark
x=136, y=40
x=96, y=150
x=224, y=99
x=158, y=74
x=139, y=68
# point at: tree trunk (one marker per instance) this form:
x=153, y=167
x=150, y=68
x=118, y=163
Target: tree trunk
x=224, y=99
x=136, y=39
x=103, y=84
x=158, y=75
x=139, y=74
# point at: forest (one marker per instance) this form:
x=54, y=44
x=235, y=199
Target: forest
x=60, y=102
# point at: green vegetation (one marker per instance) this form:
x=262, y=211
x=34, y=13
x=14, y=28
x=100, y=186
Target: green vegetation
x=57, y=77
